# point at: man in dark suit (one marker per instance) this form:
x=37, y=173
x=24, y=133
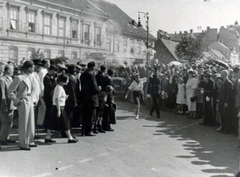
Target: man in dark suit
x=208, y=100
x=154, y=92
x=226, y=102
x=89, y=92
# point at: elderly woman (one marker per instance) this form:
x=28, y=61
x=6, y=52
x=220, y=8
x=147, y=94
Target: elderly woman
x=137, y=88
x=191, y=85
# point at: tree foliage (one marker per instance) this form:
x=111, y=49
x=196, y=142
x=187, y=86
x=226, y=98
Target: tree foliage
x=37, y=54
x=189, y=48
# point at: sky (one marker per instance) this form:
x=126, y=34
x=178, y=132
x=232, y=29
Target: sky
x=182, y=15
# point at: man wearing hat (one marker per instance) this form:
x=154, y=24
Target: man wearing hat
x=89, y=92
x=20, y=92
x=154, y=92
x=208, y=100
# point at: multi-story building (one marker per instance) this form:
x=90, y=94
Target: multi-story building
x=75, y=29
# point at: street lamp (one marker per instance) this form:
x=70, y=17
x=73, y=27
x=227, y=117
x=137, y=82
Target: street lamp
x=147, y=27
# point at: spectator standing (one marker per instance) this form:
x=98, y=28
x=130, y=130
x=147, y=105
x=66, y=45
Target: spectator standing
x=181, y=100
x=191, y=85
x=89, y=92
x=6, y=106
x=225, y=102
x=20, y=92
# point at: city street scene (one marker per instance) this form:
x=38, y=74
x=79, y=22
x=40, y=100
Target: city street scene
x=119, y=88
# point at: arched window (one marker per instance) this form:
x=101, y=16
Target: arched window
x=29, y=53
x=13, y=54
x=61, y=53
x=47, y=53
x=74, y=55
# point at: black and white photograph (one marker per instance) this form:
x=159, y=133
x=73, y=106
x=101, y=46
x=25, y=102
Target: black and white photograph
x=119, y=88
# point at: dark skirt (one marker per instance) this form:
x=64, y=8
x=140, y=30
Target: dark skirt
x=58, y=123
x=138, y=97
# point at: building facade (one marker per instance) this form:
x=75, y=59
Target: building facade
x=78, y=30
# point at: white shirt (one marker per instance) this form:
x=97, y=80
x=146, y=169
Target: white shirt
x=41, y=74
x=60, y=94
x=137, y=86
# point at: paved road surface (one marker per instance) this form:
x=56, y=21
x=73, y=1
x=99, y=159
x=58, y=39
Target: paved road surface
x=172, y=146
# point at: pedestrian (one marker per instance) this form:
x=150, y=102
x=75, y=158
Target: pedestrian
x=154, y=92
x=181, y=98
x=6, y=106
x=137, y=88
x=20, y=92
x=58, y=108
x=89, y=92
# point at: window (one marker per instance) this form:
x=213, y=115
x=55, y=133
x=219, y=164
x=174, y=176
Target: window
x=14, y=18
x=61, y=27
x=47, y=24
x=116, y=45
x=97, y=36
x=13, y=54
x=132, y=47
x=125, y=46
x=138, y=48
x=85, y=56
x=74, y=56
x=74, y=28
x=109, y=44
x=61, y=53
x=31, y=21
x=47, y=53
x=86, y=37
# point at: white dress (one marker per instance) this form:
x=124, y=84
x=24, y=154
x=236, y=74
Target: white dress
x=180, y=94
x=191, y=85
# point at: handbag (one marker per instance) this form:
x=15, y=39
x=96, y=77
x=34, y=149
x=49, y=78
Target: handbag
x=193, y=98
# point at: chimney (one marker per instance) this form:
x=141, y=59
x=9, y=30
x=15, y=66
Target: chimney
x=208, y=28
x=191, y=31
x=222, y=26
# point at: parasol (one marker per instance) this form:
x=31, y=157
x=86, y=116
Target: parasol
x=175, y=63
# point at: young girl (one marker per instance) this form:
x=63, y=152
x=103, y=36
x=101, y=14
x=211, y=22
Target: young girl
x=58, y=108
x=181, y=96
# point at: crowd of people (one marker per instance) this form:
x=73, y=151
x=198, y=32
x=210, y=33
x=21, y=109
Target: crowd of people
x=56, y=97
x=60, y=96
x=209, y=92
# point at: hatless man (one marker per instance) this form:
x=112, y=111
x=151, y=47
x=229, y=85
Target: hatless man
x=6, y=106
x=21, y=93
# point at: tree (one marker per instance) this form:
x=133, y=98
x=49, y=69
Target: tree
x=37, y=54
x=189, y=48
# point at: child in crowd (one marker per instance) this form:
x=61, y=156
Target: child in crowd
x=181, y=96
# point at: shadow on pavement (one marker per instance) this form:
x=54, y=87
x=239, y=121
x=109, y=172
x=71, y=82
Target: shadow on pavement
x=218, y=154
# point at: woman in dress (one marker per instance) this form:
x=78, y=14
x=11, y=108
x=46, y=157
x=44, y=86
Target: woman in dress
x=58, y=107
x=191, y=85
x=137, y=88
x=181, y=96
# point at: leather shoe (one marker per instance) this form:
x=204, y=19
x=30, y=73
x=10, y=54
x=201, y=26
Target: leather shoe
x=72, y=141
x=50, y=141
x=101, y=131
x=158, y=117
x=89, y=134
x=95, y=131
x=25, y=148
x=109, y=129
x=32, y=145
x=11, y=141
